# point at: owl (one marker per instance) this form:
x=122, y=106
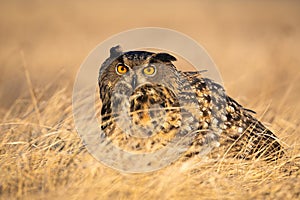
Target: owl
x=147, y=103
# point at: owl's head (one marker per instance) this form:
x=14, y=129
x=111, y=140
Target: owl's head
x=139, y=92
x=133, y=69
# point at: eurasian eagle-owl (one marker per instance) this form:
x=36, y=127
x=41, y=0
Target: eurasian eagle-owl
x=147, y=102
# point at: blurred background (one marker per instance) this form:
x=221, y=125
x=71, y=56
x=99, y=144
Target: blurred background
x=255, y=44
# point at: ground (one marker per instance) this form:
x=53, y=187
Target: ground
x=255, y=45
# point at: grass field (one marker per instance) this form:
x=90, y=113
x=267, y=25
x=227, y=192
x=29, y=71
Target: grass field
x=255, y=44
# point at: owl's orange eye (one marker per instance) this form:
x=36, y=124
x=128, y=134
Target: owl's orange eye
x=149, y=70
x=121, y=69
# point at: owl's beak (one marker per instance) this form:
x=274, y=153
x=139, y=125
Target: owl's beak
x=134, y=81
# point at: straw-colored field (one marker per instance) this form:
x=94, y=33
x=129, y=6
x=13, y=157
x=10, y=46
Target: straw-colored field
x=255, y=44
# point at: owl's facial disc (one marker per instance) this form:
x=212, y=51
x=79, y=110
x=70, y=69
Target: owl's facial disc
x=136, y=76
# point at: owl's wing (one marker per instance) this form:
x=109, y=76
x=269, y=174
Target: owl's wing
x=247, y=135
x=242, y=134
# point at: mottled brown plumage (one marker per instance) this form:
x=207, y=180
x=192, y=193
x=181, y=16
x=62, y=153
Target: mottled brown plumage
x=147, y=102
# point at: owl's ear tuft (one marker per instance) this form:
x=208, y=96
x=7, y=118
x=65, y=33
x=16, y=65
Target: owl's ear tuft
x=116, y=51
x=165, y=57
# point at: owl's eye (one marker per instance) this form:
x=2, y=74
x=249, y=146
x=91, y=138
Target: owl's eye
x=149, y=70
x=121, y=69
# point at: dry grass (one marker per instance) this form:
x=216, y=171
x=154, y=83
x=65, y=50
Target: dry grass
x=41, y=155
